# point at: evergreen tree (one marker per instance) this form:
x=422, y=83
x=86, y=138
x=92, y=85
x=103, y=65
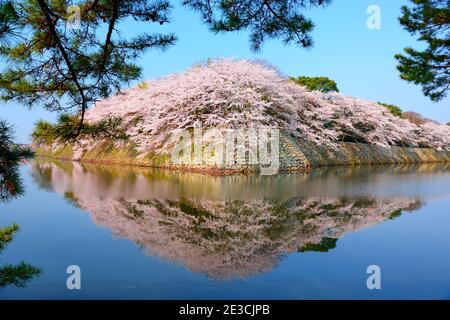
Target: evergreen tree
x=430, y=68
x=65, y=67
x=265, y=19
x=396, y=111
x=322, y=84
x=10, y=187
x=54, y=61
x=10, y=183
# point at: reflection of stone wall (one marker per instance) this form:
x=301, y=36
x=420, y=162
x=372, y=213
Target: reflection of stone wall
x=295, y=155
x=130, y=182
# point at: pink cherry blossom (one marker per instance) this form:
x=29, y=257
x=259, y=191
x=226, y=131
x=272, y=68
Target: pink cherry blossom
x=226, y=93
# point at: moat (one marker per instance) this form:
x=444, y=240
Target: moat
x=138, y=233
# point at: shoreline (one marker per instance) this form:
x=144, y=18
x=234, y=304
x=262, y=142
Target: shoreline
x=295, y=155
x=230, y=172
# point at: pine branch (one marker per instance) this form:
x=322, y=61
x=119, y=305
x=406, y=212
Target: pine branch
x=46, y=11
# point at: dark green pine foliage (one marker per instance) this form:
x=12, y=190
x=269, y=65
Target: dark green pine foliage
x=108, y=128
x=53, y=60
x=65, y=65
x=265, y=19
x=430, y=68
x=10, y=187
x=10, y=183
x=16, y=275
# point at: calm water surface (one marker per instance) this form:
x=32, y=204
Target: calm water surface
x=144, y=234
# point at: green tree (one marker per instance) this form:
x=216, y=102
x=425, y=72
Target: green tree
x=322, y=84
x=265, y=19
x=108, y=128
x=396, y=111
x=11, y=187
x=17, y=275
x=65, y=68
x=430, y=68
x=10, y=183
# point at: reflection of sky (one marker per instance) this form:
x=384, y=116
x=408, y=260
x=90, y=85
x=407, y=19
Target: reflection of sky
x=411, y=251
x=360, y=60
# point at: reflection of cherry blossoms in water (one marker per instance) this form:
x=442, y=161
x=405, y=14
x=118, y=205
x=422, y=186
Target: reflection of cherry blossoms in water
x=223, y=238
x=237, y=238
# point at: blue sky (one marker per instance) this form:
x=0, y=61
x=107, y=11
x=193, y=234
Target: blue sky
x=360, y=60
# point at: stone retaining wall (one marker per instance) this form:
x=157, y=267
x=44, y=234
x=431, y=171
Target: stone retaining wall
x=295, y=155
